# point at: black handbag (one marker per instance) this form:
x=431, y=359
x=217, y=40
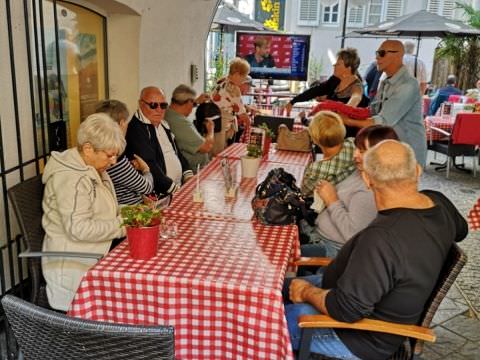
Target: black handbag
x=278, y=200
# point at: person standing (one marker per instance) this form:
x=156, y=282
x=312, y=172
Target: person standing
x=398, y=102
x=415, y=66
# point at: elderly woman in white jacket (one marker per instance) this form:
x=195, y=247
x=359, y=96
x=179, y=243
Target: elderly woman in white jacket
x=80, y=207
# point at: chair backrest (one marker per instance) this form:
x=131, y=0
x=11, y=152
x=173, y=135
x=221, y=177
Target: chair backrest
x=45, y=334
x=26, y=198
x=466, y=129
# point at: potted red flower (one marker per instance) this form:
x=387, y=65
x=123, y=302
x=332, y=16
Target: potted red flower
x=142, y=223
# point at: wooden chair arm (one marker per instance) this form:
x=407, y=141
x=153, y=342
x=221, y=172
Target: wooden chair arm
x=33, y=254
x=313, y=261
x=441, y=131
x=324, y=321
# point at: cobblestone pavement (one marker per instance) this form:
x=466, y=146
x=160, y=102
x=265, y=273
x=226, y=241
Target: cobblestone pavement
x=457, y=323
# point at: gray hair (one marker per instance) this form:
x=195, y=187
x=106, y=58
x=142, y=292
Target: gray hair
x=182, y=94
x=385, y=168
x=451, y=79
x=100, y=131
x=116, y=109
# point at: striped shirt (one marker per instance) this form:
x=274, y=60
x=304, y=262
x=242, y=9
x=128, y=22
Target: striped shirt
x=129, y=184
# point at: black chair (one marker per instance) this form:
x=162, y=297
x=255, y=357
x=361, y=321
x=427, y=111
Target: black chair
x=462, y=141
x=26, y=198
x=454, y=263
x=47, y=335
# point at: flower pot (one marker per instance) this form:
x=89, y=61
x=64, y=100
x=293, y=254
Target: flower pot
x=143, y=242
x=266, y=147
x=250, y=166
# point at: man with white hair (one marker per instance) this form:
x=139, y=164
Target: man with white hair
x=415, y=66
x=382, y=272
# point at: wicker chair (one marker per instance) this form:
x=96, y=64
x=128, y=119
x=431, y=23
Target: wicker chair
x=26, y=198
x=454, y=263
x=45, y=334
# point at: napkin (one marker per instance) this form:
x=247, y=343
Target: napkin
x=318, y=204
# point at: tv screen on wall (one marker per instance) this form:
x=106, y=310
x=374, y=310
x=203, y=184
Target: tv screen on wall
x=274, y=56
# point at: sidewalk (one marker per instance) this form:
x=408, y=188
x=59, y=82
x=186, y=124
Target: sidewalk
x=456, y=323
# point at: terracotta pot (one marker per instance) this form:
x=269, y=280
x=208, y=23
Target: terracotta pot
x=143, y=241
x=250, y=166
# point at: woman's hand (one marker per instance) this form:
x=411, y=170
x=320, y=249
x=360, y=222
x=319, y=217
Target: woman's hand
x=288, y=108
x=139, y=164
x=327, y=192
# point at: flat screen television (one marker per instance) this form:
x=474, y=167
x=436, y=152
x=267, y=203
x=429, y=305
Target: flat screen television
x=279, y=56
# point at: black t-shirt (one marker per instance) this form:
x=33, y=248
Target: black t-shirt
x=387, y=271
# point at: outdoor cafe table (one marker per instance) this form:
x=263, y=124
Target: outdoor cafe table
x=237, y=150
x=218, y=282
x=474, y=216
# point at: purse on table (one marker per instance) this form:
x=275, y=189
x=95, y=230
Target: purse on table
x=293, y=141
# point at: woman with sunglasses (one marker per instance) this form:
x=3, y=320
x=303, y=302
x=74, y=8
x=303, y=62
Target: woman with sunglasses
x=345, y=85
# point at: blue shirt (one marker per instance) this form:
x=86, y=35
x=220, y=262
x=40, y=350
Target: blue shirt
x=442, y=96
x=398, y=104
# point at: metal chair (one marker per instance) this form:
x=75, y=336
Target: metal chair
x=26, y=198
x=463, y=139
x=45, y=334
x=454, y=263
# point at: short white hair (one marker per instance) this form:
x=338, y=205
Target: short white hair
x=398, y=168
x=102, y=132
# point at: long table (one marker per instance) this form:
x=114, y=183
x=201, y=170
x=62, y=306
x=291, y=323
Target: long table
x=218, y=281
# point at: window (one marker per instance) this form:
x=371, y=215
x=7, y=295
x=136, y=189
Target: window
x=394, y=9
x=355, y=17
x=441, y=7
x=375, y=10
x=330, y=14
x=308, y=11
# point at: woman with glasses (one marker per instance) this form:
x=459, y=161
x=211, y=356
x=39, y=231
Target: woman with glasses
x=80, y=206
x=345, y=85
x=132, y=180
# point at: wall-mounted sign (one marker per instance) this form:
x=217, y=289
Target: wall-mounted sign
x=271, y=13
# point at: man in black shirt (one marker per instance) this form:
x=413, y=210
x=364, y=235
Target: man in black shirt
x=388, y=270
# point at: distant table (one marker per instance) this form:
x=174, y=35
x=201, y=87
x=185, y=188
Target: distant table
x=441, y=122
x=218, y=282
x=237, y=150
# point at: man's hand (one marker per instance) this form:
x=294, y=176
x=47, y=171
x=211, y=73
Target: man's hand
x=288, y=108
x=297, y=290
x=327, y=192
x=202, y=98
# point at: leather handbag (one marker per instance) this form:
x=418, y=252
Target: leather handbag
x=293, y=141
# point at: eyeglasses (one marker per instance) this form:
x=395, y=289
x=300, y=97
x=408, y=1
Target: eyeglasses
x=382, y=53
x=154, y=105
x=110, y=156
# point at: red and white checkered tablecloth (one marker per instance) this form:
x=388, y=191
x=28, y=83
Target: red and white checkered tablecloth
x=474, y=216
x=215, y=204
x=218, y=282
x=237, y=150
x=444, y=123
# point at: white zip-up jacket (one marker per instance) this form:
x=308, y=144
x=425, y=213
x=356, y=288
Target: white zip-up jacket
x=80, y=215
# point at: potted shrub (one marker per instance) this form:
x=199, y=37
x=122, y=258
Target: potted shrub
x=267, y=141
x=251, y=162
x=142, y=223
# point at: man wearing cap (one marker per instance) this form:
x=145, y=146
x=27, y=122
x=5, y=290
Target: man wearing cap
x=193, y=146
x=149, y=136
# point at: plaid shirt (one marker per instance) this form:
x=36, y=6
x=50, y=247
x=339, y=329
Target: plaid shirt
x=334, y=169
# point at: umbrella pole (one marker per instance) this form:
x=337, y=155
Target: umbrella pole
x=344, y=24
x=416, y=56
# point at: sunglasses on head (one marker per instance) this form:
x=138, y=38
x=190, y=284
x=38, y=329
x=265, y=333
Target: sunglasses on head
x=382, y=53
x=154, y=105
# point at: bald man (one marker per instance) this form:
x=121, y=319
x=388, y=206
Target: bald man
x=398, y=102
x=149, y=136
x=382, y=272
